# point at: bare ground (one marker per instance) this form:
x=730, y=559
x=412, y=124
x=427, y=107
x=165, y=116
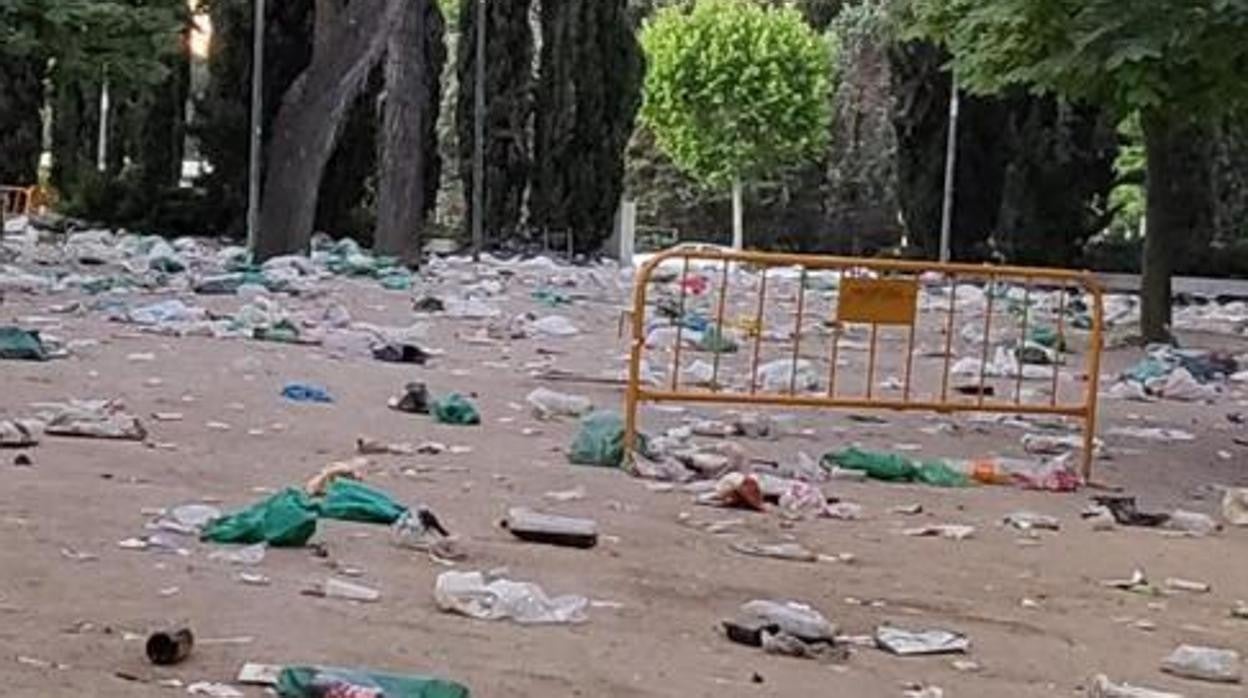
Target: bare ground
x=673, y=583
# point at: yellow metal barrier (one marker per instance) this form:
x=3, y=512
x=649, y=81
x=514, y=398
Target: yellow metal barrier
x=806, y=314
x=16, y=201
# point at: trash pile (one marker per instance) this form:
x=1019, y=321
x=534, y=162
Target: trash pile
x=1177, y=374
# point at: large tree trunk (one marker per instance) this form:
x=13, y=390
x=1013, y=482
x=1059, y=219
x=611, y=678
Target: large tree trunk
x=412, y=81
x=1179, y=213
x=307, y=124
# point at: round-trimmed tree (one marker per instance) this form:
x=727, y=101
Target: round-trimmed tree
x=734, y=90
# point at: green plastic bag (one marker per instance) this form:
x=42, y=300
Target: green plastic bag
x=600, y=441
x=939, y=474
x=318, y=681
x=888, y=467
x=287, y=519
x=349, y=500
x=550, y=297
x=455, y=409
x=1047, y=336
x=23, y=345
x=713, y=340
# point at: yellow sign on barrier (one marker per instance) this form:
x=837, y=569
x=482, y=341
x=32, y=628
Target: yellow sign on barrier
x=878, y=301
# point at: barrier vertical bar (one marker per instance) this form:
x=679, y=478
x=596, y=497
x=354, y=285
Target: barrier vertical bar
x=1018, y=380
x=758, y=336
x=983, y=359
x=680, y=324
x=953, y=302
x=797, y=332
x=719, y=326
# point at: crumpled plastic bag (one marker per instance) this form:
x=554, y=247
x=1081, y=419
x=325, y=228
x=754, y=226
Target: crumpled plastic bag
x=486, y=597
x=891, y=467
x=775, y=376
x=100, y=419
x=21, y=345
x=287, y=519
x=326, y=682
x=455, y=409
x=555, y=326
x=350, y=500
x=20, y=433
x=1235, y=506
x=599, y=441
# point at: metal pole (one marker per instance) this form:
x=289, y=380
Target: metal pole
x=101, y=154
x=951, y=168
x=257, y=126
x=478, y=139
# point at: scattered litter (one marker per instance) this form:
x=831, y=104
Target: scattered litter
x=21, y=345
x=455, y=409
x=1153, y=433
x=1102, y=687
x=20, y=433
x=287, y=518
x=555, y=326
x=735, y=490
x=250, y=555
x=780, y=551
x=100, y=419
x=401, y=354
x=1204, y=664
x=1192, y=523
x=1179, y=584
x=1234, y=505
x=1136, y=583
x=306, y=392
x=372, y=447
x=536, y=527
x=950, y=531
x=419, y=529
x=777, y=376
x=572, y=495
x=352, y=469
x=548, y=404
x=786, y=628
x=213, y=690
x=331, y=682
x=920, y=642
x=599, y=441
x=1027, y=521
x=166, y=647
x=494, y=597
x=333, y=588
x=1124, y=511
x=414, y=400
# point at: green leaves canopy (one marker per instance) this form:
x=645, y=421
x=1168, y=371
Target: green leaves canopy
x=1187, y=55
x=83, y=36
x=734, y=89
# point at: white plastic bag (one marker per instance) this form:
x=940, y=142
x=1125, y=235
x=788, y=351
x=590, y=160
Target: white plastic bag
x=477, y=595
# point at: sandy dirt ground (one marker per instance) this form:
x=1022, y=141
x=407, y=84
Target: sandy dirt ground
x=1039, y=619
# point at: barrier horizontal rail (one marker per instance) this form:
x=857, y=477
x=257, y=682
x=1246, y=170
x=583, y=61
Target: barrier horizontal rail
x=872, y=306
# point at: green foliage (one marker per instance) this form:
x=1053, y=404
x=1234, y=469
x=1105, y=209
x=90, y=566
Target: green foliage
x=734, y=89
x=84, y=36
x=1126, y=200
x=1136, y=56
